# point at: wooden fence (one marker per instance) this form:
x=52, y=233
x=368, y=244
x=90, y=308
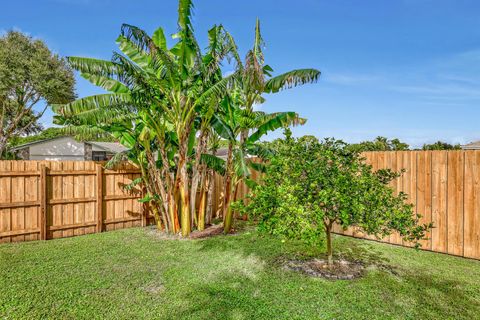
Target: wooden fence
x=42, y=200
x=56, y=199
x=444, y=187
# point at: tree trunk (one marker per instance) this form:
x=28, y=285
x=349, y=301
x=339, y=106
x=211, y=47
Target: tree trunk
x=210, y=185
x=201, y=210
x=3, y=147
x=198, y=171
x=229, y=215
x=182, y=182
x=185, y=201
x=227, y=224
x=328, y=232
x=228, y=190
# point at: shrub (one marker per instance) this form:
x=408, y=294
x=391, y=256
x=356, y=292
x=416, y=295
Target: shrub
x=310, y=185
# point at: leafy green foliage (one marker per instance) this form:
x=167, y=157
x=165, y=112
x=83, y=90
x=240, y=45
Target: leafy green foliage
x=30, y=75
x=171, y=102
x=380, y=144
x=440, y=145
x=310, y=185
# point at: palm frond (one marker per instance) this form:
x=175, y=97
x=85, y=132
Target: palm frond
x=213, y=162
x=222, y=128
x=100, y=101
x=138, y=36
x=258, y=166
x=260, y=151
x=219, y=89
x=240, y=163
x=137, y=55
x=279, y=120
x=185, y=10
x=159, y=39
x=93, y=66
x=291, y=79
x=117, y=159
x=258, y=44
x=106, y=83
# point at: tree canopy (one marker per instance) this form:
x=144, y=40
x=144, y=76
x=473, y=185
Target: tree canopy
x=29, y=75
x=310, y=185
x=440, y=145
x=380, y=144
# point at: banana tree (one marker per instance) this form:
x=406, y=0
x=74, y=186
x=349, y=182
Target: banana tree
x=165, y=91
x=255, y=77
x=230, y=123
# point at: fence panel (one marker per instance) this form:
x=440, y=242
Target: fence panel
x=444, y=187
x=58, y=199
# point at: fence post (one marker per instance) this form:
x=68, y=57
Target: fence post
x=99, y=196
x=43, y=202
x=144, y=209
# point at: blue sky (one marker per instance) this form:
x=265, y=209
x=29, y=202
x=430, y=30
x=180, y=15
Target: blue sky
x=399, y=68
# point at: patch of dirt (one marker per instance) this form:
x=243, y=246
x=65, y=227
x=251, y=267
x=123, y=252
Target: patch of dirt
x=162, y=235
x=154, y=288
x=340, y=270
x=208, y=232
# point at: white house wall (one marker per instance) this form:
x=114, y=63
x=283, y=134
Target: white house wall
x=58, y=149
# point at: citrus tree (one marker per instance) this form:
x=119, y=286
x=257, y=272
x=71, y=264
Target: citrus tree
x=310, y=185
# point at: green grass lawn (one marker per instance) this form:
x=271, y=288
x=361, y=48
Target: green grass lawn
x=132, y=274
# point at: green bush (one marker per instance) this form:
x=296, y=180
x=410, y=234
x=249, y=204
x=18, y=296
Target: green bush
x=310, y=185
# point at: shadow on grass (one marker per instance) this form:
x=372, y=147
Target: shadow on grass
x=410, y=291
x=448, y=299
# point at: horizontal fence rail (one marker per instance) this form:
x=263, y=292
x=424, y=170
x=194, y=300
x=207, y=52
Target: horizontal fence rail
x=42, y=200
x=444, y=187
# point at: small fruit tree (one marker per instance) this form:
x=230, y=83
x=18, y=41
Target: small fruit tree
x=310, y=185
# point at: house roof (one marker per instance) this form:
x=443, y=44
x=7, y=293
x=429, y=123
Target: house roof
x=22, y=146
x=113, y=147
x=472, y=146
x=222, y=153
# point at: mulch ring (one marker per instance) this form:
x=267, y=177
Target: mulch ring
x=340, y=270
x=210, y=231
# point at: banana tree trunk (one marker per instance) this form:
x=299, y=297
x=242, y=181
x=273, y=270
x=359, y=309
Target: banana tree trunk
x=227, y=210
x=159, y=189
x=201, y=210
x=229, y=215
x=197, y=169
x=181, y=184
x=185, y=220
x=227, y=185
x=150, y=177
x=210, y=187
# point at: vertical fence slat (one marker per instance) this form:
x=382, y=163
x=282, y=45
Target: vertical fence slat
x=455, y=203
x=439, y=201
x=99, y=197
x=471, y=223
x=43, y=202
